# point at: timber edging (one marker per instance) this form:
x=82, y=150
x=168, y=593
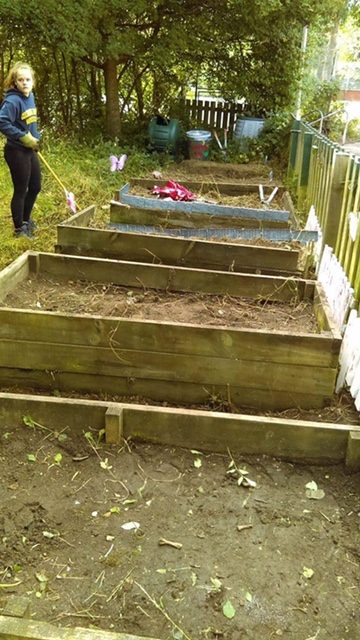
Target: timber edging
x=294, y=440
x=15, y=624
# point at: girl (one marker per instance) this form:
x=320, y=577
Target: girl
x=18, y=124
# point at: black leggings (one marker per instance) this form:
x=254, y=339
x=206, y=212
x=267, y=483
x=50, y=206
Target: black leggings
x=25, y=172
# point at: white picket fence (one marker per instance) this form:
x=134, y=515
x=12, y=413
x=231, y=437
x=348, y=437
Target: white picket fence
x=331, y=275
x=337, y=288
x=350, y=358
x=340, y=296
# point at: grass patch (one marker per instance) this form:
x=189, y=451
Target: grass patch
x=83, y=170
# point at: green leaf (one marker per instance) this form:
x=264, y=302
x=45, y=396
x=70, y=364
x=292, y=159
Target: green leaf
x=248, y=597
x=58, y=458
x=31, y=457
x=29, y=421
x=197, y=463
x=228, y=610
x=307, y=572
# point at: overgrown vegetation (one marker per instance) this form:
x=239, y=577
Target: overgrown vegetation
x=83, y=170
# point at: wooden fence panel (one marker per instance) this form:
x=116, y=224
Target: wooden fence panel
x=327, y=179
x=211, y=114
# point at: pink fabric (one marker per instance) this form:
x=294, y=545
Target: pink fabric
x=174, y=190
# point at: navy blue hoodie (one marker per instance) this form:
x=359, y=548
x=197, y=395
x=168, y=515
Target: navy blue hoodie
x=18, y=116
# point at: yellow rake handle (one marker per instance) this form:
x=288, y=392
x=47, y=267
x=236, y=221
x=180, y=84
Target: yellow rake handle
x=52, y=171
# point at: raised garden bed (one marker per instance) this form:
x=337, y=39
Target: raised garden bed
x=149, y=210
x=75, y=236
x=297, y=440
x=168, y=360
x=229, y=193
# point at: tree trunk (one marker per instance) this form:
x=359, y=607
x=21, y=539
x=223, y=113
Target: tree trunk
x=112, y=122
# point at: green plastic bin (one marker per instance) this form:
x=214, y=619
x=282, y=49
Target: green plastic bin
x=164, y=134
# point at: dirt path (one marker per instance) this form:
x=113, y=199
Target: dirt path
x=244, y=561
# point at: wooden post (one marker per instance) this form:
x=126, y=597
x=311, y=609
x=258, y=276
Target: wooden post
x=16, y=607
x=114, y=419
x=349, y=187
x=305, y=166
x=336, y=196
x=353, y=452
x=295, y=132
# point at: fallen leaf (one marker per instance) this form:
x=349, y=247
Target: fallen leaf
x=228, y=610
x=307, y=572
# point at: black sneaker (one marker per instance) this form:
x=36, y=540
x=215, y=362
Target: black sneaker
x=32, y=226
x=23, y=232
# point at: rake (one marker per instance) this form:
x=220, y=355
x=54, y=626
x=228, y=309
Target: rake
x=70, y=198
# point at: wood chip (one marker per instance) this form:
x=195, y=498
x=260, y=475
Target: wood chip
x=241, y=527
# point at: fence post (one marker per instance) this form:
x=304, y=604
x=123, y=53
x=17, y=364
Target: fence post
x=304, y=169
x=295, y=131
x=336, y=196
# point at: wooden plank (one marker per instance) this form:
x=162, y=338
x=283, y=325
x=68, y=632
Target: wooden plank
x=177, y=251
x=14, y=274
x=122, y=213
x=22, y=629
x=223, y=188
x=207, y=430
x=290, y=439
x=80, y=219
x=258, y=345
x=179, y=393
x=75, y=416
x=193, y=207
x=174, y=278
x=323, y=312
x=172, y=367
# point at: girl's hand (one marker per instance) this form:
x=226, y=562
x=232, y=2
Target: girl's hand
x=28, y=140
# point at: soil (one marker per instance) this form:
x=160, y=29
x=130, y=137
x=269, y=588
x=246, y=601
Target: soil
x=165, y=543
x=249, y=200
x=168, y=543
x=198, y=170
x=47, y=294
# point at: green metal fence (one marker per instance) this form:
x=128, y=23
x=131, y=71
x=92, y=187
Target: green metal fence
x=327, y=177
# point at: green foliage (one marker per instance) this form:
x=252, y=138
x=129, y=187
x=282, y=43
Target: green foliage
x=86, y=172
x=104, y=66
x=274, y=137
x=321, y=96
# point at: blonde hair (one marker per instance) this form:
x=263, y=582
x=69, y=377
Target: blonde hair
x=10, y=81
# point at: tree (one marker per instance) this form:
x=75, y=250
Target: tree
x=118, y=56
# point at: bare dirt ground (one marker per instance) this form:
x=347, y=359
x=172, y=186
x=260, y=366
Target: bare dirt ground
x=165, y=543
x=47, y=294
x=168, y=543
